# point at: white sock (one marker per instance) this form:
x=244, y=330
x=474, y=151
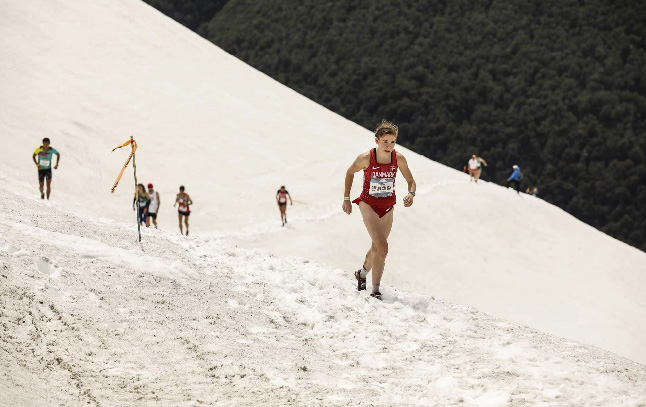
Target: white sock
x=363, y=273
x=375, y=288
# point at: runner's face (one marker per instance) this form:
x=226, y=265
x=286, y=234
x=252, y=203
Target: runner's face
x=386, y=143
x=45, y=145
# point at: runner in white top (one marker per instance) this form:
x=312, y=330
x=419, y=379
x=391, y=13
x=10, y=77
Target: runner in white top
x=473, y=167
x=153, y=208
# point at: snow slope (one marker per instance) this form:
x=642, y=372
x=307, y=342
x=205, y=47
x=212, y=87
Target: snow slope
x=89, y=74
x=89, y=317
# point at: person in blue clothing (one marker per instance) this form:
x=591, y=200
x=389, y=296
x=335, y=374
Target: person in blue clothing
x=44, y=164
x=515, y=178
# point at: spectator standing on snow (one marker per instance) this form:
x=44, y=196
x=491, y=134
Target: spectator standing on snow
x=515, y=178
x=142, y=197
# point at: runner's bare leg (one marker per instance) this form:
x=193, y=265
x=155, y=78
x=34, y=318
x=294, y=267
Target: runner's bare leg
x=181, y=230
x=49, y=187
x=379, y=230
x=367, y=263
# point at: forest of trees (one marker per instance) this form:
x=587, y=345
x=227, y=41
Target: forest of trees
x=555, y=86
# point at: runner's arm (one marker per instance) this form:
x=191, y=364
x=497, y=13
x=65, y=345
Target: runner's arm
x=189, y=200
x=290, y=199
x=176, y=200
x=484, y=162
x=33, y=157
x=58, y=158
x=412, y=186
x=158, y=201
x=361, y=163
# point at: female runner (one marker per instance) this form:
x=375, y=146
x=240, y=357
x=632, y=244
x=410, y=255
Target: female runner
x=377, y=199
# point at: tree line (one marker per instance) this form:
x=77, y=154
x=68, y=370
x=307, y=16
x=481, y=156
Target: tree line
x=556, y=86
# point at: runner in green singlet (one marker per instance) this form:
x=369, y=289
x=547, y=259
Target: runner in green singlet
x=44, y=164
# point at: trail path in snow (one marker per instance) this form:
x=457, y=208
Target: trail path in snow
x=90, y=317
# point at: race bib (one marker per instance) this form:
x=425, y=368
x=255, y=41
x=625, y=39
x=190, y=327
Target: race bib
x=44, y=162
x=282, y=199
x=382, y=187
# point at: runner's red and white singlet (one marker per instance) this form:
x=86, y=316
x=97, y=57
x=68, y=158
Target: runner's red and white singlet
x=379, y=184
x=183, y=205
x=282, y=197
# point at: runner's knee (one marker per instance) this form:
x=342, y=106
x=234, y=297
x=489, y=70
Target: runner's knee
x=381, y=248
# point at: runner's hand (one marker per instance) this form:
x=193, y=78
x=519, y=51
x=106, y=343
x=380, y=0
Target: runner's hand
x=56, y=167
x=347, y=207
x=408, y=200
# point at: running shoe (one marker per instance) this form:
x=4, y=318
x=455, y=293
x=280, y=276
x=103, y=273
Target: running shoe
x=361, y=282
x=377, y=295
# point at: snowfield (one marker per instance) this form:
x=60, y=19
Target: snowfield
x=245, y=312
x=90, y=317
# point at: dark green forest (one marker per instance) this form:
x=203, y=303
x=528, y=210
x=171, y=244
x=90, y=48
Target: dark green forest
x=555, y=86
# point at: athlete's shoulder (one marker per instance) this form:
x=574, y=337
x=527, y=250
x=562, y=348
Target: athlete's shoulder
x=38, y=149
x=54, y=151
x=401, y=160
x=364, y=156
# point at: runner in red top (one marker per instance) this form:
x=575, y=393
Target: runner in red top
x=184, y=209
x=281, y=199
x=377, y=199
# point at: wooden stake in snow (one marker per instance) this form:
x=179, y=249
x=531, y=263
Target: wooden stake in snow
x=133, y=145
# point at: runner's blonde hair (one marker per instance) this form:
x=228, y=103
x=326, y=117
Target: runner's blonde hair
x=386, y=127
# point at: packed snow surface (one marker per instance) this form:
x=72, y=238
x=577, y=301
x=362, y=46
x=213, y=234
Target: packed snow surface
x=88, y=316
x=88, y=74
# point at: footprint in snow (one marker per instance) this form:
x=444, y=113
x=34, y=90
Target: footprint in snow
x=43, y=266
